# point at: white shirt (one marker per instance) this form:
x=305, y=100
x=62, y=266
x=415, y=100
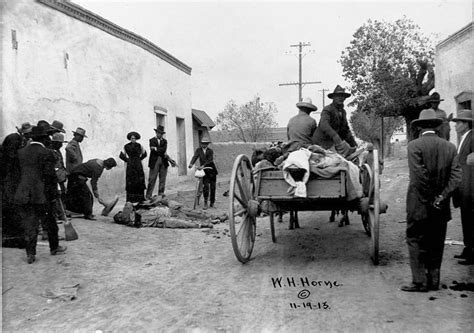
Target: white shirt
x=463, y=137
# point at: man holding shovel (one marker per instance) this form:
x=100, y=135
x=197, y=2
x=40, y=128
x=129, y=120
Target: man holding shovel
x=79, y=198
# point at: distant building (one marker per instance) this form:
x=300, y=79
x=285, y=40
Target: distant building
x=454, y=72
x=61, y=61
x=202, y=124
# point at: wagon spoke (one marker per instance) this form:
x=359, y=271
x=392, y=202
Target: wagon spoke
x=245, y=176
x=239, y=199
x=242, y=191
x=240, y=212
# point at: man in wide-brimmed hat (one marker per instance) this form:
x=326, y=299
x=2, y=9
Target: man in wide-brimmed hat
x=36, y=191
x=73, y=149
x=333, y=131
x=206, y=162
x=434, y=175
x=301, y=127
x=443, y=129
x=158, y=163
x=464, y=195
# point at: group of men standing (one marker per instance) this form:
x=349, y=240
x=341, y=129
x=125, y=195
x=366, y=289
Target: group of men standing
x=33, y=183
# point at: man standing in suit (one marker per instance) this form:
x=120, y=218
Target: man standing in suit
x=36, y=190
x=206, y=160
x=158, y=163
x=333, y=131
x=73, y=149
x=465, y=194
x=434, y=174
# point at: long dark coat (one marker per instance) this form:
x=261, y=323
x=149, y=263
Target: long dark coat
x=133, y=154
x=38, y=178
x=434, y=170
x=466, y=187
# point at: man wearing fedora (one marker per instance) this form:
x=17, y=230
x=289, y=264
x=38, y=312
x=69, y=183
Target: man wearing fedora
x=36, y=191
x=206, y=162
x=12, y=232
x=333, y=131
x=301, y=127
x=434, y=174
x=464, y=195
x=443, y=129
x=73, y=149
x=158, y=163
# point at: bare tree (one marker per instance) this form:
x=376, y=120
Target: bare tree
x=251, y=121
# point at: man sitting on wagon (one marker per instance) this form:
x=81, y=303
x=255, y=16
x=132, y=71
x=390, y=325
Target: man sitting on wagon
x=333, y=132
x=301, y=127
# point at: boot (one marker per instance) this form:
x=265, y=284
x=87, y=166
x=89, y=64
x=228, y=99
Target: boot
x=205, y=205
x=31, y=258
x=433, y=280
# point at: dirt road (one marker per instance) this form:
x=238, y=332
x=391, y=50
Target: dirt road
x=317, y=278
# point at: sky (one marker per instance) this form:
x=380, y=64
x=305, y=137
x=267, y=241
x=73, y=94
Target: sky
x=240, y=49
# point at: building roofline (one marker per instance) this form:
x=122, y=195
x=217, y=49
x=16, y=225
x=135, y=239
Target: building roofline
x=455, y=35
x=86, y=16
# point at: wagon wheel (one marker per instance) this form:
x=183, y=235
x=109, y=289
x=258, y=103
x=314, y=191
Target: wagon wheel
x=242, y=208
x=374, y=210
x=367, y=180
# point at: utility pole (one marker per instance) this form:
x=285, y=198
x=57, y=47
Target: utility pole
x=324, y=95
x=300, y=84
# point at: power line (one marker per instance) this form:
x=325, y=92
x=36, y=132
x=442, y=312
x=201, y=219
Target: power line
x=324, y=94
x=300, y=84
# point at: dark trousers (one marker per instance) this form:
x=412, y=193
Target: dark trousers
x=467, y=226
x=50, y=225
x=209, y=185
x=158, y=171
x=79, y=198
x=31, y=215
x=425, y=239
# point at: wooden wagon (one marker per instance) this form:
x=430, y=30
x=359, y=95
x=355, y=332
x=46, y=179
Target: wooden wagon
x=250, y=187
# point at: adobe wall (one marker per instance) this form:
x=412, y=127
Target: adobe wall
x=68, y=70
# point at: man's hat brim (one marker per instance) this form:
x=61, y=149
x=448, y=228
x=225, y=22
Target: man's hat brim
x=335, y=94
x=434, y=122
x=306, y=106
x=79, y=134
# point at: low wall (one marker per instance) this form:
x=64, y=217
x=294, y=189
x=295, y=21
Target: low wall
x=225, y=153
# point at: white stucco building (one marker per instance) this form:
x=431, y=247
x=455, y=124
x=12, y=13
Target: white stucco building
x=454, y=72
x=60, y=61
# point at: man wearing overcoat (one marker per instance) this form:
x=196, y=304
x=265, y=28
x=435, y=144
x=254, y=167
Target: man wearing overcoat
x=465, y=194
x=158, y=163
x=434, y=174
x=12, y=231
x=333, y=131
